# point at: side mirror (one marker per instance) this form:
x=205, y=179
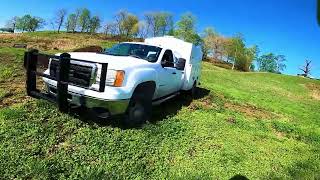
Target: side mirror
x=181, y=64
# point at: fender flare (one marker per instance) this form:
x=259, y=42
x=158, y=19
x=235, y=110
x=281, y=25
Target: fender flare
x=147, y=88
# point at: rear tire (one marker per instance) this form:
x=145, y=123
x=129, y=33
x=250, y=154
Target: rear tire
x=193, y=91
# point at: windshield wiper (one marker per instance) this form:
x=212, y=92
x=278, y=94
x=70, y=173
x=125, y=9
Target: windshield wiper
x=111, y=54
x=135, y=56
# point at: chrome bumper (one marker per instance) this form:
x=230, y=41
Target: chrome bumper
x=114, y=107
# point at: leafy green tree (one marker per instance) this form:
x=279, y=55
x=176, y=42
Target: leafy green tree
x=29, y=23
x=186, y=29
x=130, y=25
x=159, y=23
x=280, y=60
x=71, y=23
x=271, y=63
x=245, y=62
x=119, y=18
x=84, y=20
x=22, y=23
x=242, y=57
x=127, y=23
x=213, y=44
x=95, y=24
x=36, y=23
x=235, y=50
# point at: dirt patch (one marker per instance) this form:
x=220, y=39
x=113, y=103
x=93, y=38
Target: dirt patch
x=15, y=92
x=6, y=58
x=205, y=103
x=250, y=111
x=314, y=90
x=8, y=36
x=231, y=120
x=279, y=134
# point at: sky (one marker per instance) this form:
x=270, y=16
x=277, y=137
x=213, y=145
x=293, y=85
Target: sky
x=286, y=27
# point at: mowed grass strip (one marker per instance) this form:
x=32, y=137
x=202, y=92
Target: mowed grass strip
x=257, y=125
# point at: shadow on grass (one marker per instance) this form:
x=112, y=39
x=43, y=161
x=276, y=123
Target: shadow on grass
x=160, y=112
x=239, y=177
x=173, y=106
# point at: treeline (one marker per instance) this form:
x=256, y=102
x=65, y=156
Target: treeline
x=25, y=23
x=233, y=50
x=128, y=25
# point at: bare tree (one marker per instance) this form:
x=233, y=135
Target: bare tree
x=110, y=28
x=120, y=17
x=159, y=23
x=306, y=68
x=12, y=23
x=59, y=18
x=52, y=24
x=143, y=29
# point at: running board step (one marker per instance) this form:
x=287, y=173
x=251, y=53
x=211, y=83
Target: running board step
x=159, y=101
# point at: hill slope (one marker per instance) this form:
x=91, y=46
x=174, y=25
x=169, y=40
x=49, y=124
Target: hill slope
x=257, y=125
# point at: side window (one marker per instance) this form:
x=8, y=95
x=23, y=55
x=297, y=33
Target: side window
x=167, y=59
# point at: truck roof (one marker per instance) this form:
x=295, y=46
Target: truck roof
x=180, y=48
x=142, y=43
x=163, y=42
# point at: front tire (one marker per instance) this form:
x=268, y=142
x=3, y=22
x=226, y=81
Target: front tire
x=140, y=107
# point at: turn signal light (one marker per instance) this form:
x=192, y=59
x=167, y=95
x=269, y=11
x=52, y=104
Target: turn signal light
x=119, y=79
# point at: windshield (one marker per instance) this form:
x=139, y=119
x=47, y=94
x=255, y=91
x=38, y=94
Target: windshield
x=149, y=53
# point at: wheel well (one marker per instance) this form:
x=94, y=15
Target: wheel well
x=147, y=88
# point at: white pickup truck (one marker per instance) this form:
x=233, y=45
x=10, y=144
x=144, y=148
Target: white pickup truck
x=139, y=75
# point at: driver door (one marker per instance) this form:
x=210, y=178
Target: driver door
x=168, y=76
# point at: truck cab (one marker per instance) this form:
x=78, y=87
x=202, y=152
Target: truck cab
x=138, y=75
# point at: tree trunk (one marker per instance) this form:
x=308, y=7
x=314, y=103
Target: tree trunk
x=59, y=28
x=234, y=61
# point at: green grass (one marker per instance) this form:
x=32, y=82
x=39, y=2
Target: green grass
x=258, y=125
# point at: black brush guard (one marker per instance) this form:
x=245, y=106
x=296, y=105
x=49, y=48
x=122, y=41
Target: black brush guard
x=32, y=58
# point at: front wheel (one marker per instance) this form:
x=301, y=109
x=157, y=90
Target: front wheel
x=139, y=111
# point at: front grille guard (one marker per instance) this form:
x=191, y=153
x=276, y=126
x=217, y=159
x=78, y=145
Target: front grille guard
x=32, y=58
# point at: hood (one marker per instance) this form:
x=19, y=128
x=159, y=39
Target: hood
x=114, y=62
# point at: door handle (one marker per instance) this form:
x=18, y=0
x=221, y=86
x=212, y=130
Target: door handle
x=174, y=73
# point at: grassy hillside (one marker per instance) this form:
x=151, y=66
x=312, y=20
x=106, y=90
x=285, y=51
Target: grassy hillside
x=257, y=125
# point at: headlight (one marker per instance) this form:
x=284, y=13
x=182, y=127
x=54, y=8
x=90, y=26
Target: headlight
x=114, y=78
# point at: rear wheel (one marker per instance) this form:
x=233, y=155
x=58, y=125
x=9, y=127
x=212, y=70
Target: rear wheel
x=193, y=91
